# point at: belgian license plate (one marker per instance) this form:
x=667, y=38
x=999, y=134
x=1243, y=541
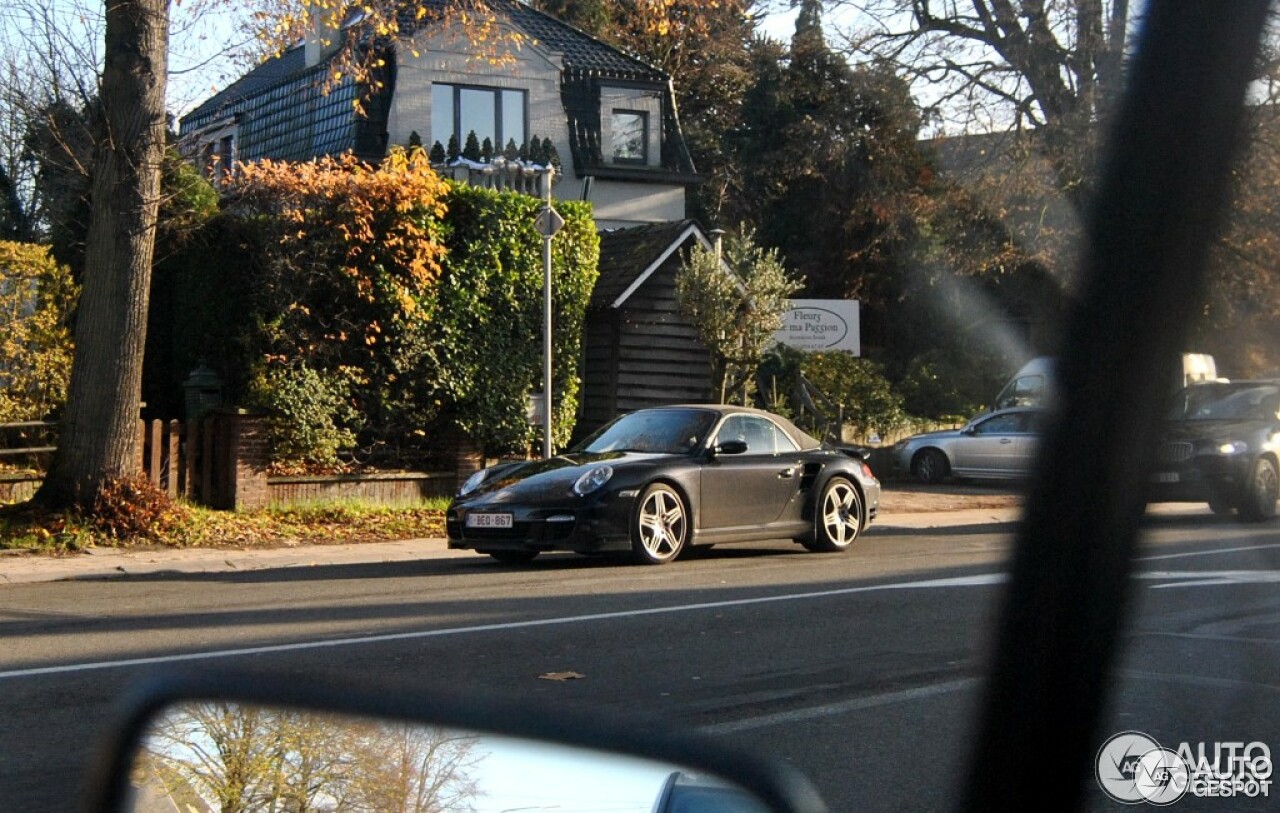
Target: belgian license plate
x=1167, y=477
x=489, y=521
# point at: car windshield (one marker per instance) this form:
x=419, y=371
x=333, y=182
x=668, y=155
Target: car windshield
x=658, y=431
x=1223, y=402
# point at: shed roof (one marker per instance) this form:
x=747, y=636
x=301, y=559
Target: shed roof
x=629, y=256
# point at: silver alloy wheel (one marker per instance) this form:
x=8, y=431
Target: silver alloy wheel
x=661, y=525
x=1264, y=489
x=839, y=517
x=841, y=513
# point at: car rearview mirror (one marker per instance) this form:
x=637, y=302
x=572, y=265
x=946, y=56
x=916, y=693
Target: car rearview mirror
x=202, y=753
x=731, y=447
x=298, y=749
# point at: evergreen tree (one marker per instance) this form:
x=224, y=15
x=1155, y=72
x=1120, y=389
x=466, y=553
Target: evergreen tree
x=438, y=155
x=471, y=151
x=486, y=150
x=454, y=151
x=550, y=156
x=511, y=152
x=415, y=140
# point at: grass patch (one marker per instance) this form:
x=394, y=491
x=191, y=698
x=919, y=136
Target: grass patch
x=26, y=527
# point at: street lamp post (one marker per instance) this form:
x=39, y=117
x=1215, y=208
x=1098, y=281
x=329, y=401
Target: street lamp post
x=549, y=222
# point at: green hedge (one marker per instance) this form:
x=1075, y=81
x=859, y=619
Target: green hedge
x=485, y=325
x=466, y=357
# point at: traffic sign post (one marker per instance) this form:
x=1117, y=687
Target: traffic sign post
x=548, y=223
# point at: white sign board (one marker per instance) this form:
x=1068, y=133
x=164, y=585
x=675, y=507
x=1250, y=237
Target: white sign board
x=821, y=325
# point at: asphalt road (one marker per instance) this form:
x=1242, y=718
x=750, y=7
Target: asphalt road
x=860, y=668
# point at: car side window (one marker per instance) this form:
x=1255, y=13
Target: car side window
x=1002, y=425
x=760, y=434
x=732, y=429
x=1025, y=391
x=781, y=441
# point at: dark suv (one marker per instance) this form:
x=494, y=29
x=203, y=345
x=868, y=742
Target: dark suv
x=1221, y=446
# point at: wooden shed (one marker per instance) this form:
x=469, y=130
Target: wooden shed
x=639, y=350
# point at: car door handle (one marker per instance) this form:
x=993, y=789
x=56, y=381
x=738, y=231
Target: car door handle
x=1004, y=441
x=787, y=474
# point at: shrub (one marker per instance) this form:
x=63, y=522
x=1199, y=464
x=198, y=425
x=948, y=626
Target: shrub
x=860, y=386
x=37, y=297
x=381, y=308
x=133, y=507
x=308, y=413
x=484, y=347
x=946, y=383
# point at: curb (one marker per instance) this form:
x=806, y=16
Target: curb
x=106, y=563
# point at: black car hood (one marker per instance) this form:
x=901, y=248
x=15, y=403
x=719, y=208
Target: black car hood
x=1215, y=431
x=550, y=479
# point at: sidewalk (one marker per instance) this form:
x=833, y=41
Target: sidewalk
x=105, y=563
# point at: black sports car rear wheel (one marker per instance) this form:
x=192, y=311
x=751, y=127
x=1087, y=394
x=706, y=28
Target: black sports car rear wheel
x=839, y=517
x=1259, y=501
x=660, y=526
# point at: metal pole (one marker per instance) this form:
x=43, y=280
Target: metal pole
x=546, y=327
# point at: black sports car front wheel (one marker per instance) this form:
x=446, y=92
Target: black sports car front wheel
x=660, y=526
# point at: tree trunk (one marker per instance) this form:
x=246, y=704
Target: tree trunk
x=99, y=430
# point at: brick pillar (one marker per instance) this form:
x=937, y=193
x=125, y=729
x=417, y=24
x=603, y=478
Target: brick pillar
x=467, y=456
x=246, y=459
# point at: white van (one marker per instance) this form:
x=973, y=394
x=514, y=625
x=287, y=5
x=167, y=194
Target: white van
x=1033, y=384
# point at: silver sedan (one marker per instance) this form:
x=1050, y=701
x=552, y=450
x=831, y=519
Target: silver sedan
x=997, y=445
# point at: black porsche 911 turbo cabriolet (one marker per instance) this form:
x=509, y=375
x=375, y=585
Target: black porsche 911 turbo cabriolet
x=658, y=481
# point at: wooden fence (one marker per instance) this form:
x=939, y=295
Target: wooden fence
x=217, y=461
x=187, y=460
x=221, y=461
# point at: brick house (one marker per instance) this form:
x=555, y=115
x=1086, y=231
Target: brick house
x=611, y=114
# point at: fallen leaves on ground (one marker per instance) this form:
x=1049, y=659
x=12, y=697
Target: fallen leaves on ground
x=562, y=676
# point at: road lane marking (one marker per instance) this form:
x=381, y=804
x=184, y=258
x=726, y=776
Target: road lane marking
x=1213, y=552
x=844, y=707
x=981, y=580
x=1206, y=578
x=1197, y=680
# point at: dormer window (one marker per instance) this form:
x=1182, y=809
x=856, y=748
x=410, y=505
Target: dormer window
x=497, y=114
x=629, y=135
x=215, y=150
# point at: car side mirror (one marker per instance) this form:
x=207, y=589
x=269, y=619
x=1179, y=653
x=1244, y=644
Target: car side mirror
x=969, y=430
x=731, y=447
x=183, y=744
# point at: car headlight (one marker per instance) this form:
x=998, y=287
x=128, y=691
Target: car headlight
x=592, y=480
x=473, y=482
x=1234, y=447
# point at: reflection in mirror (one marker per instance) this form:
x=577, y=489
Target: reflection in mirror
x=239, y=758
